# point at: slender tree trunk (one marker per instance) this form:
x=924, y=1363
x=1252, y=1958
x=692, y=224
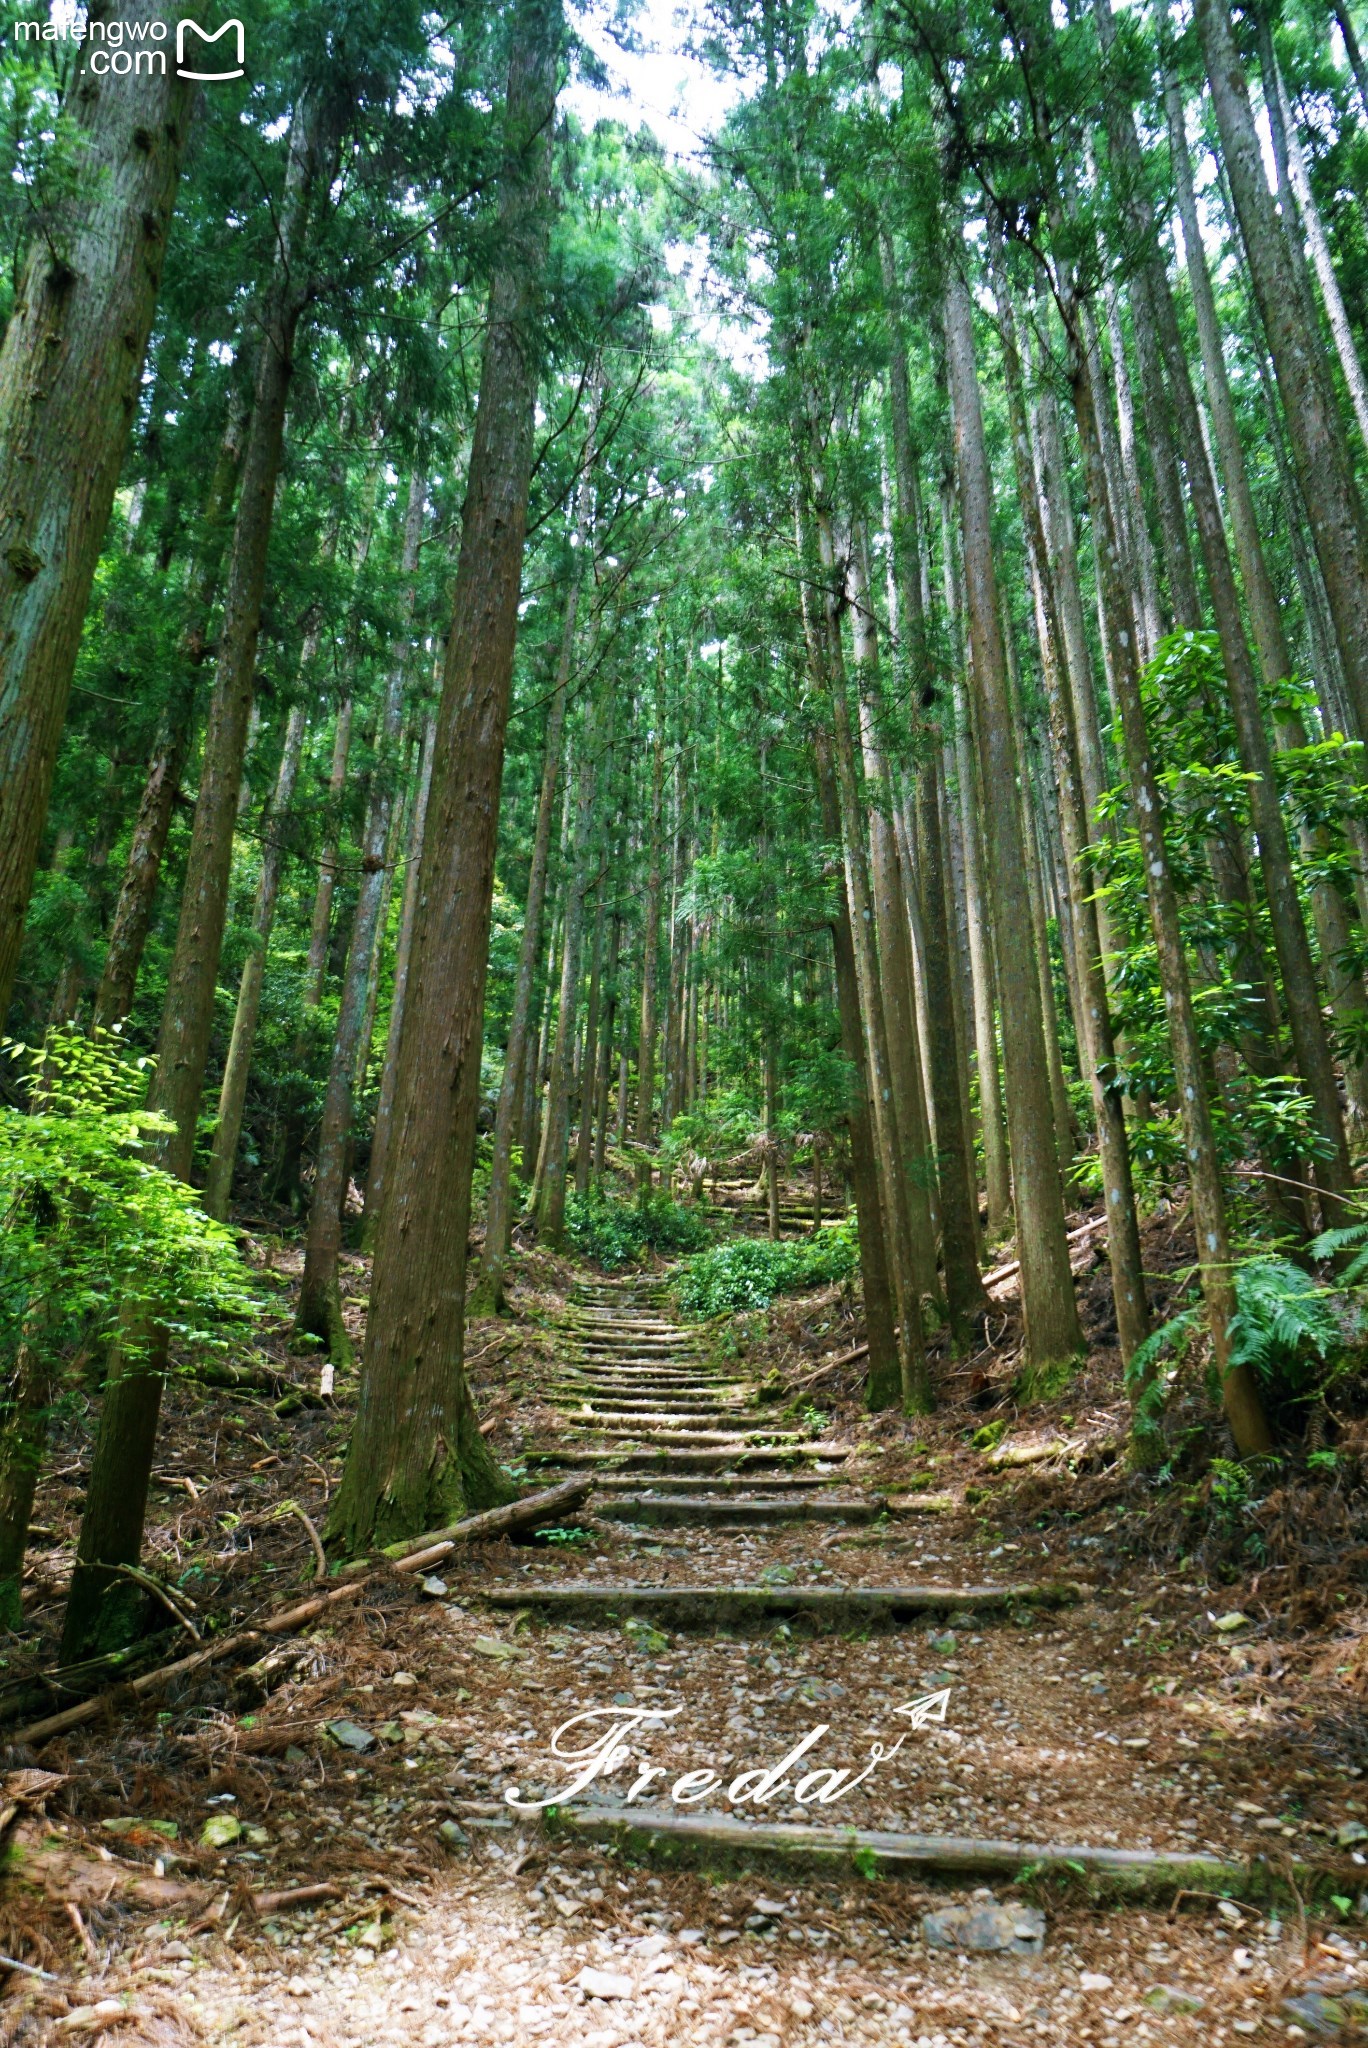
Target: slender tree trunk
x=1239, y=1390
x=1139, y=547
x=318, y=1312
x=70, y=367
x=320, y=923
x=603, y=1083
x=589, y=1073
x=1346, y=348
x=132, y=918
x=416, y=1457
x=650, y=953
x=1320, y=448
x=1331, y=1167
x=914, y=1378
x=884, y=1376
x=556, y=1142
x=894, y=949
x=233, y=1091
x=488, y=1295
x=1094, y=1015
x=384, y=1109
x=1054, y=1337
x=116, y=1500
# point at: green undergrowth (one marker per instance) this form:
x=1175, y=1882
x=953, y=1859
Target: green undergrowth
x=748, y=1272
x=616, y=1233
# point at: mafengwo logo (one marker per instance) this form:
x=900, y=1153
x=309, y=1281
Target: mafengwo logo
x=139, y=47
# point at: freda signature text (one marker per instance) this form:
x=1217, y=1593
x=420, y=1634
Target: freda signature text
x=596, y=1744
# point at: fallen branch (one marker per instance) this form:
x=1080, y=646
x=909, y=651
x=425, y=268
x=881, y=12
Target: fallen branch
x=321, y=1562
x=519, y=1514
x=535, y=1507
x=1001, y=1273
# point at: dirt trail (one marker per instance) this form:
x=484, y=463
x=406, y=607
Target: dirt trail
x=1105, y=1721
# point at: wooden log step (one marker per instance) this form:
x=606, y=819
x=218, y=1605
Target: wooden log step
x=737, y=1511
x=646, y=1419
x=720, y=1484
x=724, y=1843
x=725, y=1606
x=674, y=1459
x=703, y=1439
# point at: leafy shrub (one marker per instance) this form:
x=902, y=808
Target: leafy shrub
x=615, y=1233
x=748, y=1272
x=95, y=1238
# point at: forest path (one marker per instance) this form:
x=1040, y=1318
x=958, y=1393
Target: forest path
x=1105, y=1721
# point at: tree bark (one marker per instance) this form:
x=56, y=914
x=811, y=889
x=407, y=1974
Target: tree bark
x=915, y=1162
x=1054, y=1338
x=70, y=367
x=416, y=1457
x=403, y=953
x=1330, y=1168
x=1124, y=1252
x=116, y=1501
x=488, y=1296
x=233, y=1091
x=1239, y=1389
x=556, y=1141
x=318, y=1312
x=1320, y=448
x=650, y=949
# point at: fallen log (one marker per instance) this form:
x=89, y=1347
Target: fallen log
x=721, y=1842
x=519, y=1514
x=533, y=1508
x=1001, y=1273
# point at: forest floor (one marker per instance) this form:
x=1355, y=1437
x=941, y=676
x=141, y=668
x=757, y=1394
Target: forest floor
x=1145, y=1714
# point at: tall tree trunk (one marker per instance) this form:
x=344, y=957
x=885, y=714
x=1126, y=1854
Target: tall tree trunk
x=233, y=1090
x=883, y=1378
x=1239, y=1389
x=488, y=1295
x=116, y=1500
x=1320, y=448
x=556, y=1141
x=318, y=1312
x=603, y=1083
x=416, y=1458
x=589, y=1072
x=1331, y=1165
x=894, y=937
x=914, y=1388
x=1284, y=128
x=650, y=950
x=1094, y=1013
x=403, y=953
x=132, y=918
x=1054, y=1337
x=70, y=367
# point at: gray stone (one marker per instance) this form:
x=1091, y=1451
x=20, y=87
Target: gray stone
x=1172, y=1998
x=452, y=1835
x=1326, y=2015
x=350, y=1735
x=1017, y=1930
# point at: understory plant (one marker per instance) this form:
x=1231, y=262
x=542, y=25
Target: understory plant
x=749, y=1271
x=96, y=1240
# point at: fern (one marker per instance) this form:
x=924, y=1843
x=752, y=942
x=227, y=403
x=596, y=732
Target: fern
x=1331, y=1243
x=1285, y=1325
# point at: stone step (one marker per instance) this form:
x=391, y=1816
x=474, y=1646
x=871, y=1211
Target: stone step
x=724, y=1606
x=739, y=1511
